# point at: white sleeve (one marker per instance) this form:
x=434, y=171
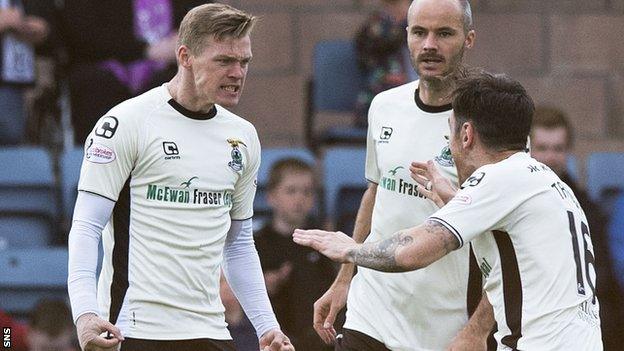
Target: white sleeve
x=91, y=214
x=243, y=272
x=371, y=170
x=482, y=204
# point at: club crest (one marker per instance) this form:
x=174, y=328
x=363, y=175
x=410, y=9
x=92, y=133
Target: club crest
x=237, y=157
x=445, y=158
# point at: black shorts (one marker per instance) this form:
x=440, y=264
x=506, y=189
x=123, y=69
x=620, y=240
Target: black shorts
x=351, y=340
x=130, y=344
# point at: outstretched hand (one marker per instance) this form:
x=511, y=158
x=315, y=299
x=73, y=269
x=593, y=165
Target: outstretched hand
x=334, y=245
x=431, y=183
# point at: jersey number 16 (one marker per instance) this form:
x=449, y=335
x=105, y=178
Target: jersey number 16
x=583, y=261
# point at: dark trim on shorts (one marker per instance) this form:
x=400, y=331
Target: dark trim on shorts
x=121, y=227
x=131, y=344
x=512, y=288
x=353, y=340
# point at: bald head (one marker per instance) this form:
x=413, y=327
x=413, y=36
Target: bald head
x=455, y=7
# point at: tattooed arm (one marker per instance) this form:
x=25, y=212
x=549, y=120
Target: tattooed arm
x=407, y=250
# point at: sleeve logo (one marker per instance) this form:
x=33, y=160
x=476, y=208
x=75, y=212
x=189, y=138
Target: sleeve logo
x=107, y=127
x=98, y=153
x=473, y=180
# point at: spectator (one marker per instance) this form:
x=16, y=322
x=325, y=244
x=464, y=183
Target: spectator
x=51, y=327
x=115, y=50
x=240, y=327
x=295, y=276
x=551, y=142
x=20, y=32
x=383, y=56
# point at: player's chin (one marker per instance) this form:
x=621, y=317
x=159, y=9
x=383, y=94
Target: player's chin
x=228, y=102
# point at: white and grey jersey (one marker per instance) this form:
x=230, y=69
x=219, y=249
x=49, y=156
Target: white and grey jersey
x=538, y=260
x=178, y=179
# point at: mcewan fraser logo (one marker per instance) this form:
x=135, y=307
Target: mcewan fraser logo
x=399, y=185
x=185, y=194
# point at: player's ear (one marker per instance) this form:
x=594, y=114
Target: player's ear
x=470, y=38
x=184, y=56
x=467, y=134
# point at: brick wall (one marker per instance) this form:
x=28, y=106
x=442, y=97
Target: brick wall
x=568, y=53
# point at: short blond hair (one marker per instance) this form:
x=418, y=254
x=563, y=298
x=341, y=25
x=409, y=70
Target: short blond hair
x=216, y=21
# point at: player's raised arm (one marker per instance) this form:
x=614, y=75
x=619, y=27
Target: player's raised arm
x=406, y=250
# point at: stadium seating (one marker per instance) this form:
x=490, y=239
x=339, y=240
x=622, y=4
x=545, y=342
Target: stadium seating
x=605, y=177
x=29, y=275
x=335, y=83
x=343, y=169
x=71, y=160
x=28, y=197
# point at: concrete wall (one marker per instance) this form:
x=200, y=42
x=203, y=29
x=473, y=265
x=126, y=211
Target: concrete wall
x=568, y=53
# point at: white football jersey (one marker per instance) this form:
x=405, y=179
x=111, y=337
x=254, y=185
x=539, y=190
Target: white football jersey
x=420, y=310
x=538, y=260
x=178, y=178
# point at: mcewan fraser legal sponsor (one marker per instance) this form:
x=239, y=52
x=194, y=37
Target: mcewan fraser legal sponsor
x=188, y=196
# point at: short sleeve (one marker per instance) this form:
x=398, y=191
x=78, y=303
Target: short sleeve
x=245, y=188
x=372, y=169
x=109, y=156
x=480, y=206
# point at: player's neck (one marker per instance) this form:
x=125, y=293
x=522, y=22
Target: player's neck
x=185, y=95
x=435, y=92
x=481, y=158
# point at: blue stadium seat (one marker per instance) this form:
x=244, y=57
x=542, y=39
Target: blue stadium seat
x=605, y=175
x=29, y=275
x=572, y=167
x=343, y=168
x=616, y=239
x=28, y=201
x=335, y=83
x=71, y=160
x=268, y=157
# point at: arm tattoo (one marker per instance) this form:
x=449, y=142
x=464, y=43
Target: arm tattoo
x=449, y=240
x=381, y=255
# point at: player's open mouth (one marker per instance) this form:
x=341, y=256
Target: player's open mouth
x=231, y=88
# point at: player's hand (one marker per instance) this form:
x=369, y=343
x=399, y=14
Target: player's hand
x=90, y=327
x=274, y=279
x=464, y=342
x=431, y=183
x=275, y=340
x=334, y=245
x=327, y=307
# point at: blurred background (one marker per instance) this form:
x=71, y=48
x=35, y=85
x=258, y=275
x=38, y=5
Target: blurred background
x=65, y=62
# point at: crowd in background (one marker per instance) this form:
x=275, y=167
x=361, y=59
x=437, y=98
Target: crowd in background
x=104, y=52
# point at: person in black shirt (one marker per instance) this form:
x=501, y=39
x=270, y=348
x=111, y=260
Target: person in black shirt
x=295, y=275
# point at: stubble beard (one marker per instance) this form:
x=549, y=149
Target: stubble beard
x=446, y=80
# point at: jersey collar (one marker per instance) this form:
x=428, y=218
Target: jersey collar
x=193, y=114
x=428, y=108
